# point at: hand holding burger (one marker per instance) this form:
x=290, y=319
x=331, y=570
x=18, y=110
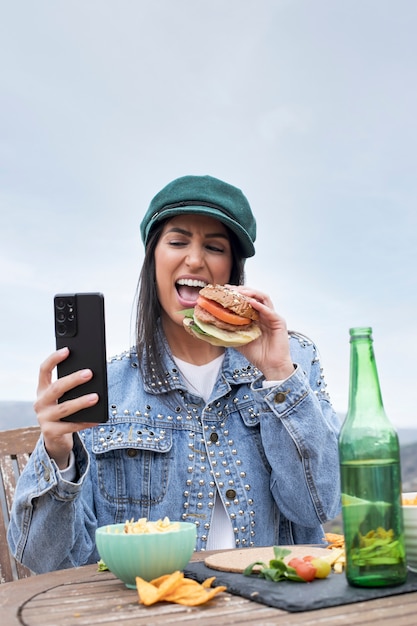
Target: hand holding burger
x=223, y=317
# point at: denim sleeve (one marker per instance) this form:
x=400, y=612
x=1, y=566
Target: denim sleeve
x=50, y=511
x=299, y=430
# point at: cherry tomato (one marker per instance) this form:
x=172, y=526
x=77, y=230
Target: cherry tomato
x=304, y=569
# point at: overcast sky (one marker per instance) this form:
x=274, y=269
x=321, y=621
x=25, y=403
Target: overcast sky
x=309, y=106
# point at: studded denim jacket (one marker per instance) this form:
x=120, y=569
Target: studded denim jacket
x=271, y=453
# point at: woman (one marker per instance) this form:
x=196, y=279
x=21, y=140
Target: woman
x=241, y=442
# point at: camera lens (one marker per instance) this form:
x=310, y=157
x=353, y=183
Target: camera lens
x=61, y=330
x=60, y=316
x=60, y=303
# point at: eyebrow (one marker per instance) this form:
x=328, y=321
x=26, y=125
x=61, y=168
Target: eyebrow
x=182, y=231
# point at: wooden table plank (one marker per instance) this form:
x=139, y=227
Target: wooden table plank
x=86, y=597
x=113, y=603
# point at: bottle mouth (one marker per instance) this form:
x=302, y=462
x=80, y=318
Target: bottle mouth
x=360, y=332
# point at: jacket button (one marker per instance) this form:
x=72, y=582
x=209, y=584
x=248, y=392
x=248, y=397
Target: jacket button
x=231, y=494
x=214, y=437
x=280, y=397
x=132, y=452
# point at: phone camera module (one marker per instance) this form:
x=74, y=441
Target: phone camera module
x=65, y=316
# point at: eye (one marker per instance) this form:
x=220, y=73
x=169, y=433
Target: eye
x=213, y=247
x=177, y=242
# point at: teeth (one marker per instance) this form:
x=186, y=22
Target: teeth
x=191, y=283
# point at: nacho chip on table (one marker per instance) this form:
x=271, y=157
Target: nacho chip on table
x=176, y=588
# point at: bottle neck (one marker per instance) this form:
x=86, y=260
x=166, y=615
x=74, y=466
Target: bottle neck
x=365, y=399
x=366, y=432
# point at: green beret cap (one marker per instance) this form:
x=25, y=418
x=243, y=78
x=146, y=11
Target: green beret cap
x=204, y=195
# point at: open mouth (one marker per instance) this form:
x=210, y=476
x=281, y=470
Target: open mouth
x=188, y=290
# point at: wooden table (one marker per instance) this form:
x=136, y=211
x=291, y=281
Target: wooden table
x=83, y=596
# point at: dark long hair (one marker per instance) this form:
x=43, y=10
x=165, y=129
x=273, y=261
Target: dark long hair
x=148, y=307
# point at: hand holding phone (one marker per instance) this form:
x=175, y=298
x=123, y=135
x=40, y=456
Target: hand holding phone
x=80, y=326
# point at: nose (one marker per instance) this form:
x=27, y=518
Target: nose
x=195, y=256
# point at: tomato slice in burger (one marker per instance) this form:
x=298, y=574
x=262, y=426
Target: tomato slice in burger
x=219, y=311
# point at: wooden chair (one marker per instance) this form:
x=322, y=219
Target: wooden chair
x=15, y=448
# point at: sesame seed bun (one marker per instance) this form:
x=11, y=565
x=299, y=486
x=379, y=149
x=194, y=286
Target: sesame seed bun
x=223, y=317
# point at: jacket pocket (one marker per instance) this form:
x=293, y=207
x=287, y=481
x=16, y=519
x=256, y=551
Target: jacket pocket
x=133, y=461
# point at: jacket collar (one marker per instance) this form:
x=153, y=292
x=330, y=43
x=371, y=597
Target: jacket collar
x=236, y=369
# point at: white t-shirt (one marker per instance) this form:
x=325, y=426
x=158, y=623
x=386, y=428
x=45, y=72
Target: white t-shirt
x=200, y=380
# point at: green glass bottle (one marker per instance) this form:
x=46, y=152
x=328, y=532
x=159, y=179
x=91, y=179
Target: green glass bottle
x=369, y=455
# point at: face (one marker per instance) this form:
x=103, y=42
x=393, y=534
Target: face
x=192, y=251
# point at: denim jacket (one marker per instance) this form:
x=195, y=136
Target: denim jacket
x=271, y=453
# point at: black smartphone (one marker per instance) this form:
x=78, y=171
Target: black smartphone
x=80, y=326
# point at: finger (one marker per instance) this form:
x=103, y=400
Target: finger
x=61, y=385
x=55, y=412
x=49, y=364
x=261, y=298
x=46, y=405
x=254, y=295
x=69, y=407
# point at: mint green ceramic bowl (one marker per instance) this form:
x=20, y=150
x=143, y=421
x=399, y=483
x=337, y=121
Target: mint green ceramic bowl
x=410, y=530
x=148, y=555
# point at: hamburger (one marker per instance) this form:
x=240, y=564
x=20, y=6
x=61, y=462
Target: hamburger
x=222, y=317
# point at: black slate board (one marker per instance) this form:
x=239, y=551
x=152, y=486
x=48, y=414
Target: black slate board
x=289, y=596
